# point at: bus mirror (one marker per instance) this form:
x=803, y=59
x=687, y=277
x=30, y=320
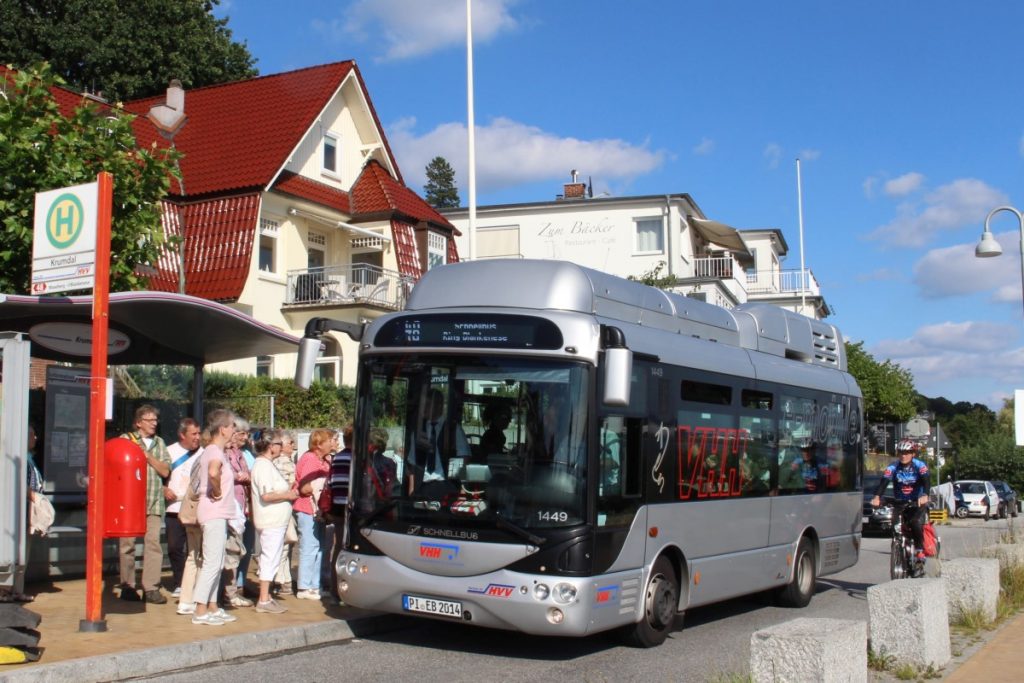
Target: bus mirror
x=309, y=351
x=618, y=374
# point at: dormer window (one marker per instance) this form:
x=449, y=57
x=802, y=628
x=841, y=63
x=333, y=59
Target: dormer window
x=330, y=160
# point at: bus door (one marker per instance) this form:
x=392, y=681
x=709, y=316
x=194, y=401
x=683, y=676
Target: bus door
x=620, y=487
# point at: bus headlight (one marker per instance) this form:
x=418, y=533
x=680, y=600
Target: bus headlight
x=564, y=593
x=555, y=615
x=352, y=567
x=541, y=591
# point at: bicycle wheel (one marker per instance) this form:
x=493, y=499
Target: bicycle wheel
x=897, y=563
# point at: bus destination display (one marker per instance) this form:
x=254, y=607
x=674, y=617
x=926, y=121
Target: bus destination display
x=471, y=330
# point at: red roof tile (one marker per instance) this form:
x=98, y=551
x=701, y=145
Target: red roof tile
x=239, y=135
x=321, y=193
x=218, y=246
x=375, y=191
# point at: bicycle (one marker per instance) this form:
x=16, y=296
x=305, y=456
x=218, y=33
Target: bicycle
x=903, y=562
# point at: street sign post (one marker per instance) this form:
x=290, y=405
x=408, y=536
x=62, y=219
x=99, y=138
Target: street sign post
x=94, y=620
x=64, y=241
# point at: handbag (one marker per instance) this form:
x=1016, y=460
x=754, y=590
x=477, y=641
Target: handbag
x=188, y=514
x=41, y=515
x=291, y=534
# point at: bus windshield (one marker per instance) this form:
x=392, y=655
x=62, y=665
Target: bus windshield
x=476, y=441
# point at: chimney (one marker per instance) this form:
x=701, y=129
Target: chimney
x=170, y=116
x=575, y=189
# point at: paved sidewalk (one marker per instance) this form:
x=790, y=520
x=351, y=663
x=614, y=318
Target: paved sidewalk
x=144, y=639
x=1000, y=659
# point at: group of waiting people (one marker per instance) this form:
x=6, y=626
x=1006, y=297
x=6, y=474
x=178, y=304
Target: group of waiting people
x=254, y=499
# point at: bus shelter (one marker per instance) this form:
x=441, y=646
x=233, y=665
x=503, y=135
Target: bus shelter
x=144, y=328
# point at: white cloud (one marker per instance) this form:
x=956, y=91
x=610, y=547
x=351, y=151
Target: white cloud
x=412, y=28
x=705, y=147
x=904, y=185
x=809, y=155
x=961, y=203
x=869, y=185
x=510, y=153
x=773, y=154
x=952, y=351
x=955, y=271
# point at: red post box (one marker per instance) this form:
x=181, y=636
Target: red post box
x=124, y=489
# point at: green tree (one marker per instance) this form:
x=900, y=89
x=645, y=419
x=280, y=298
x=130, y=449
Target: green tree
x=654, y=278
x=40, y=149
x=125, y=48
x=888, y=388
x=992, y=456
x=440, y=189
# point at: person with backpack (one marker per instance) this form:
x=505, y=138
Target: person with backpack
x=184, y=487
x=911, y=482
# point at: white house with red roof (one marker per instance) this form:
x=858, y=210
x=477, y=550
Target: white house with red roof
x=292, y=205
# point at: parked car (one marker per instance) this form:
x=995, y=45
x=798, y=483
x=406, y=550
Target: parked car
x=876, y=520
x=961, y=506
x=1008, y=503
x=981, y=497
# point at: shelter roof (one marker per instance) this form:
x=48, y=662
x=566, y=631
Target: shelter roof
x=161, y=328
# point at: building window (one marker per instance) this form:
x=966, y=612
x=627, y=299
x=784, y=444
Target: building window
x=268, y=245
x=752, y=269
x=263, y=366
x=437, y=250
x=330, y=153
x=650, y=236
x=328, y=363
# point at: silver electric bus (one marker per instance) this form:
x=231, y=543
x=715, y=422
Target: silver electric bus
x=547, y=448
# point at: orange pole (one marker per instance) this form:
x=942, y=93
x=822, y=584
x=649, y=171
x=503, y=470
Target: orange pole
x=94, y=620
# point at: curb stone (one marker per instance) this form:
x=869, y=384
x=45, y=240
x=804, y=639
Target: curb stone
x=170, y=658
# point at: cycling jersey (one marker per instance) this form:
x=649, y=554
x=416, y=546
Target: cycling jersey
x=909, y=482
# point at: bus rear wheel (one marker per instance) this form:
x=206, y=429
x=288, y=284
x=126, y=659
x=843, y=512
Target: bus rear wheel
x=661, y=600
x=798, y=592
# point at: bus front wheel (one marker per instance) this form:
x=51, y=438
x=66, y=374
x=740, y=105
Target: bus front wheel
x=798, y=592
x=661, y=600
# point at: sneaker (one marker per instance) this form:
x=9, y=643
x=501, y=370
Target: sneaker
x=240, y=601
x=128, y=593
x=186, y=609
x=308, y=594
x=208, y=619
x=156, y=597
x=224, y=616
x=919, y=556
x=176, y=593
x=270, y=607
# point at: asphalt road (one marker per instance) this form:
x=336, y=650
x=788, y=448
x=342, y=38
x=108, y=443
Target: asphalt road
x=713, y=645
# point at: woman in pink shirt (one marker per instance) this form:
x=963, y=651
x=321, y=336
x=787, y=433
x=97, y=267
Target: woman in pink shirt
x=216, y=506
x=310, y=476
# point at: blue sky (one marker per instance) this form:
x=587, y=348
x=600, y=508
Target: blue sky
x=905, y=116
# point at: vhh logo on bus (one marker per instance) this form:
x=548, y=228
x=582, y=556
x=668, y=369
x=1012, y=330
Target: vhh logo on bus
x=710, y=463
x=439, y=551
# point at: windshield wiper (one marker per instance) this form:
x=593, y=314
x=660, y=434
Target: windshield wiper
x=517, y=530
x=365, y=521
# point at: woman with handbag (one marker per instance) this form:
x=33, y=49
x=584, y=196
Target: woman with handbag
x=310, y=476
x=272, y=496
x=217, y=506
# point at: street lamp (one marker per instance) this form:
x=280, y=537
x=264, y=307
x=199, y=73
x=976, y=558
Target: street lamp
x=988, y=246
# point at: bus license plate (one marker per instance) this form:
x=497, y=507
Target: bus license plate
x=444, y=608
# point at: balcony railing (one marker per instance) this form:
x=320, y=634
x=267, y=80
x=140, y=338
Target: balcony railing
x=350, y=285
x=715, y=267
x=792, y=281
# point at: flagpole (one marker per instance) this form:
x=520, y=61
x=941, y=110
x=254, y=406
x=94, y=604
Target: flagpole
x=800, y=215
x=471, y=128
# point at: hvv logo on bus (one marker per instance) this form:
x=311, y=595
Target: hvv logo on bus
x=494, y=590
x=440, y=552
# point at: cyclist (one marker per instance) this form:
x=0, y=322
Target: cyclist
x=911, y=483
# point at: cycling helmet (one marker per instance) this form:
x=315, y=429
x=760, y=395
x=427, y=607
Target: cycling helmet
x=904, y=445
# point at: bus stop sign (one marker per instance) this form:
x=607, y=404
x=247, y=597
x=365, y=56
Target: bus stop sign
x=64, y=239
